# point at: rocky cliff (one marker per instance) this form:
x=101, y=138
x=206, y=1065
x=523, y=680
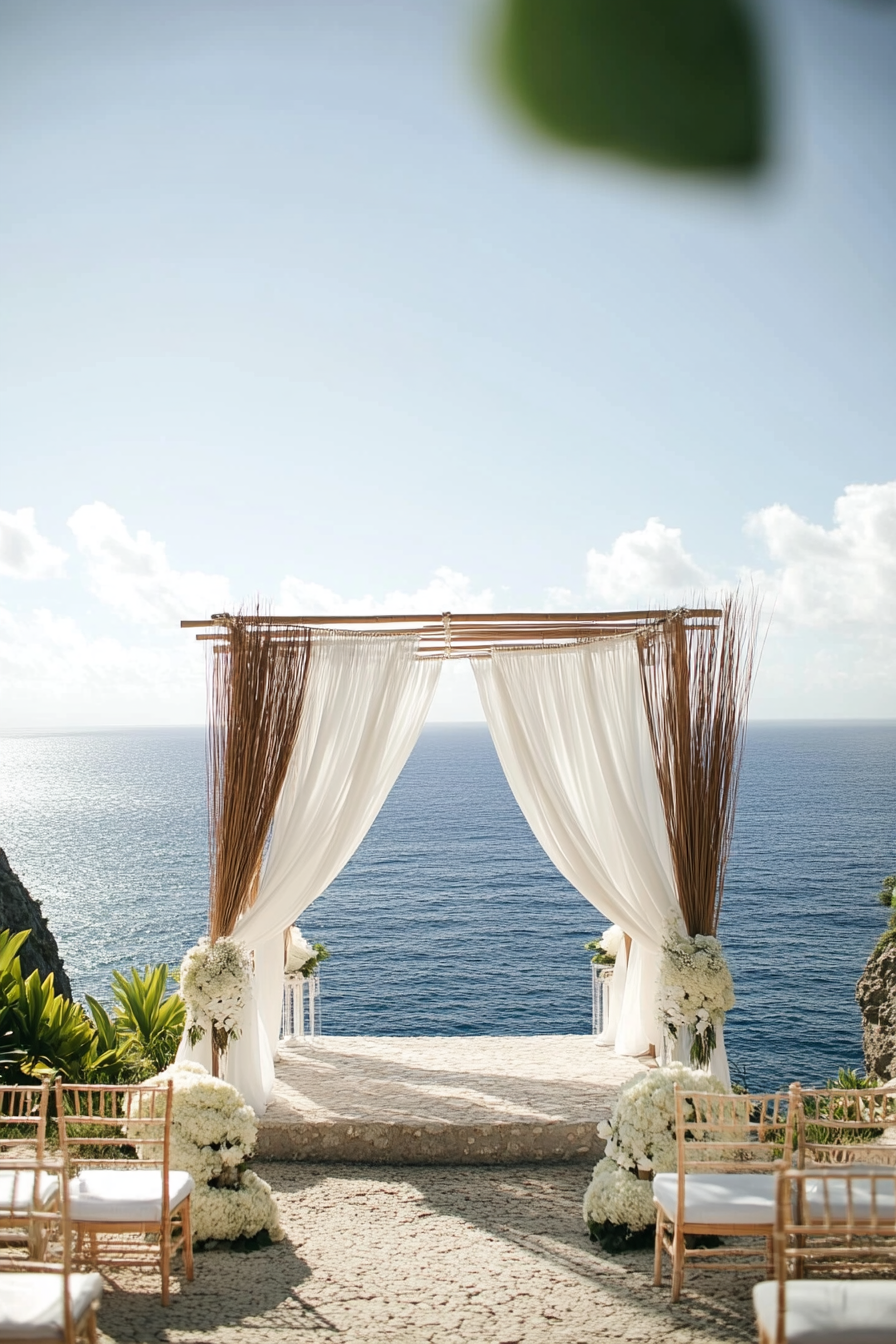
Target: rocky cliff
x=876, y=996
x=19, y=910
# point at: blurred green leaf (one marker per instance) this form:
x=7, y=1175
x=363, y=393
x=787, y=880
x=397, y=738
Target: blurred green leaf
x=672, y=83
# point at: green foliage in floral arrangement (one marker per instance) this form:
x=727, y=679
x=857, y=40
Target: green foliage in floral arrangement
x=320, y=955
x=606, y=948
x=600, y=958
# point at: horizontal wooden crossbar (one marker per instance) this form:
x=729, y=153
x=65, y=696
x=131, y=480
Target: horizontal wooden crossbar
x=472, y=635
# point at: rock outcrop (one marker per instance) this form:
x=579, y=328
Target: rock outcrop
x=19, y=910
x=876, y=996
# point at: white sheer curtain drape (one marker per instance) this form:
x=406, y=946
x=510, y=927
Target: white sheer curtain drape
x=366, y=701
x=571, y=732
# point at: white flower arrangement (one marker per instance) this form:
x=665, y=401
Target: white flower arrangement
x=695, y=990
x=611, y=940
x=303, y=958
x=215, y=986
x=617, y=1197
x=640, y=1134
x=618, y=1206
x=213, y=1134
x=607, y=947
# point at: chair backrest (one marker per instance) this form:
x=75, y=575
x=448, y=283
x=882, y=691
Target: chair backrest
x=103, y=1123
x=50, y=1228
x=732, y=1132
x=834, y=1219
x=23, y=1121
x=844, y=1126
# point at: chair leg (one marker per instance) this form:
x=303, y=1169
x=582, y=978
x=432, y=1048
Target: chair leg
x=165, y=1259
x=658, y=1250
x=677, y=1263
x=187, y=1229
x=769, y=1257
x=91, y=1326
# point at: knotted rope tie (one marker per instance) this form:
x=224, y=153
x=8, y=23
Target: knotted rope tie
x=446, y=623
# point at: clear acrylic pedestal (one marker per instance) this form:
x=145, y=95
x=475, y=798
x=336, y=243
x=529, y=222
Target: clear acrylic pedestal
x=300, y=1019
x=601, y=979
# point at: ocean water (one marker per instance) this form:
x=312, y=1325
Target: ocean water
x=450, y=919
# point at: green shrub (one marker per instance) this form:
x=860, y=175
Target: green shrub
x=151, y=1023
x=43, y=1033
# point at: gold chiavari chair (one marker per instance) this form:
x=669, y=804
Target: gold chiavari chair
x=41, y=1299
x=23, y=1130
x=729, y=1149
x=835, y=1240
x=116, y=1142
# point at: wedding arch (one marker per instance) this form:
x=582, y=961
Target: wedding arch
x=620, y=735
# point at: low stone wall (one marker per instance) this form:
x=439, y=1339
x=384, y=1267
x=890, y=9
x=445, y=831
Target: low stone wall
x=443, y=1100
x=400, y=1144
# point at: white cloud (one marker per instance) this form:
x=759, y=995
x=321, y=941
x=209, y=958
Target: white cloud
x=131, y=573
x=53, y=674
x=649, y=567
x=839, y=576
x=448, y=590
x=24, y=553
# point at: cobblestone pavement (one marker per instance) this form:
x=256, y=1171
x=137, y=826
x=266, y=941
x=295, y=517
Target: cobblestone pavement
x=496, y=1255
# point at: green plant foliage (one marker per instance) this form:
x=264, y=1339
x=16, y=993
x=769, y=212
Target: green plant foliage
x=111, y=1057
x=887, y=897
x=672, y=83
x=43, y=1033
x=151, y=1023
x=840, y=1108
x=52, y=1032
x=600, y=958
x=320, y=955
x=887, y=893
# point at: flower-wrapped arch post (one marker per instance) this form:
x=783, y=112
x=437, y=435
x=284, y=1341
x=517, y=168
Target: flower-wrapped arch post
x=215, y=982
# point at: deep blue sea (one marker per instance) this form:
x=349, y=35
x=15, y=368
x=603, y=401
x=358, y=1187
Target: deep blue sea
x=450, y=919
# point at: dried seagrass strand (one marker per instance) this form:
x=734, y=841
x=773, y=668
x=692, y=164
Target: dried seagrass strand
x=696, y=678
x=257, y=677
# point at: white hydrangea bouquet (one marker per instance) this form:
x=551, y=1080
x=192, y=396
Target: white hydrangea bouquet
x=695, y=990
x=618, y=1206
x=213, y=1135
x=607, y=947
x=215, y=986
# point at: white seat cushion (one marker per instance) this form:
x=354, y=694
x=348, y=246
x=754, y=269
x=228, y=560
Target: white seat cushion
x=17, y=1191
x=830, y=1311
x=31, y=1305
x=740, y=1197
x=838, y=1192
x=124, y=1195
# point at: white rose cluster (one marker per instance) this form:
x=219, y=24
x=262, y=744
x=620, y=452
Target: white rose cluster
x=213, y=1134
x=215, y=984
x=640, y=1134
x=616, y=1196
x=695, y=989
x=618, y=1206
x=611, y=940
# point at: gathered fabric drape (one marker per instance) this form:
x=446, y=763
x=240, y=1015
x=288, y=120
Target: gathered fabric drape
x=366, y=699
x=572, y=735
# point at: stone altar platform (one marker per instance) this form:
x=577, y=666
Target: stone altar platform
x=443, y=1099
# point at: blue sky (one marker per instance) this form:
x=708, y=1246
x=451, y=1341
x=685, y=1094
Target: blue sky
x=293, y=307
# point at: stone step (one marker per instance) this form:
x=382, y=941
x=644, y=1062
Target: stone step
x=443, y=1100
